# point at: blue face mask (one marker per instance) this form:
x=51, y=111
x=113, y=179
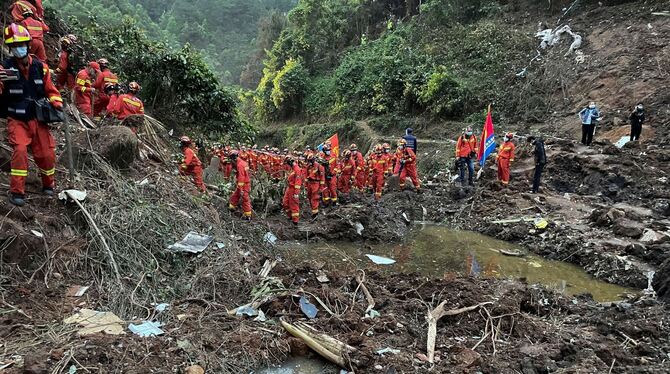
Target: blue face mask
x=327, y=153
x=20, y=52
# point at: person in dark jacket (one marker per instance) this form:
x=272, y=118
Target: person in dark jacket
x=411, y=139
x=636, y=120
x=540, y=160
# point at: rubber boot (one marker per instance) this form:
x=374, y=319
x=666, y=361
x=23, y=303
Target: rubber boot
x=18, y=200
x=48, y=191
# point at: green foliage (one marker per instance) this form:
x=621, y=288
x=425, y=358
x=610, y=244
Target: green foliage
x=288, y=88
x=442, y=94
x=176, y=83
x=446, y=12
x=223, y=30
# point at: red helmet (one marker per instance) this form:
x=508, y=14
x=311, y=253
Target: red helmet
x=509, y=136
x=185, y=139
x=346, y=153
x=16, y=34
x=134, y=87
x=378, y=148
x=353, y=147
x=94, y=65
x=386, y=146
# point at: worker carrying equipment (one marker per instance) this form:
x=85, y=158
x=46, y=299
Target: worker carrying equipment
x=65, y=72
x=505, y=158
x=243, y=185
x=27, y=90
x=191, y=166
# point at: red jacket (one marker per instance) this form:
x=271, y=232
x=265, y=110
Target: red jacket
x=506, y=151
x=348, y=167
x=84, y=83
x=466, y=146
x=295, y=179
x=127, y=105
x=191, y=160
x=316, y=173
x=242, y=171
x=35, y=28
x=379, y=163
x=106, y=76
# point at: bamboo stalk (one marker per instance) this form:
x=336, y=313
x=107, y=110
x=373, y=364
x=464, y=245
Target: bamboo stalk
x=313, y=344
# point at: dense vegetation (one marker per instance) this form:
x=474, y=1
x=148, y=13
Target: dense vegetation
x=223, y=30
x=357, y=58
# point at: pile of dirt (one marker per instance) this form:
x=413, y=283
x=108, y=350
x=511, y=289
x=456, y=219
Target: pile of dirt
x=116, y=144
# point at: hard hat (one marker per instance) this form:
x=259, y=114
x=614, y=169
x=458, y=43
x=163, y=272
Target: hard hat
x=134, y=87
x=346, y=153
x=386, y=146
x=353, y=147
x=66, y=40
x=103, y=62
x=378, y=148
x=16, y=34
x=402, y=142
x=94, y=65
x=27, y=11
x=509, y=136
x=326, y=147
x=72, y=38
x=185, y=139
x=310, y=156
x=234, y=153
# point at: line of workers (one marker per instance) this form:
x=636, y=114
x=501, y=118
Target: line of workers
x=322, y=173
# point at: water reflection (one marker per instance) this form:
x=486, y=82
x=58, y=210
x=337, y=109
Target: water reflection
x=437, y=251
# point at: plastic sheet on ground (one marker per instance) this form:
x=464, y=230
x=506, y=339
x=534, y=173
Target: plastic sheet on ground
x=270, y=238
x=74, y=194
x=93, y=322
x=622, y=141
x=379, y=260
x=192, y=243
x=146, y=329
x=308, y=308
x=381, y=352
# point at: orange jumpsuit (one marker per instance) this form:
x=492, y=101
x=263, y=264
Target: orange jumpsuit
x=406, y=167
x=84, y=93
x=128, y=105
x=505, y=158
x=330, y=189
x=193, y=166
x=359, y=173
x=106, y=76
x=243, y=188
x=36, y=29
x=348, y=169
x=379, y=165
x=64, y=73
x=291, y=202
x=23, y=129
x=316, y=181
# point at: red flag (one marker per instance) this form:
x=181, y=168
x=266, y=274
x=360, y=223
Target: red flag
x=488, y=143
x=335, y=145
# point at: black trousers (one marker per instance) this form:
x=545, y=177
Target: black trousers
x=587, y=133
x=539, y=168
x=635, y=132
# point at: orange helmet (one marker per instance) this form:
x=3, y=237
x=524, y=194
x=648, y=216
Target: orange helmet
x=509, y=136
x=27, y=11
x=15, y=33
x=402, y=142
x=386, y=146
x=185, y=139
x=353, y=147
x=134, y=87
x=310, y=156
x=378, y=148
x=346, y=153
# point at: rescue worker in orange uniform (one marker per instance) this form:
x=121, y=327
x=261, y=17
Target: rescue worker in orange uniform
x=23, y=81
x=386, y=148
x=291, y=200
x=406, y=166
x=331, y=166
x=316, y=182
x=359, y=173
x=347, y=169
x=379, y=164
x=36, y=28
x=241, y=194
x=191, y=166
x=84, y=90
x=129, y=104
x=466, y=150
x=65, y=71
x=505, y=158
x=112, y=92
x=253, y=158
x=103, y=79
x=21, y=7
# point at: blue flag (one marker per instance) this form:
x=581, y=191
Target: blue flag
x=488, y=142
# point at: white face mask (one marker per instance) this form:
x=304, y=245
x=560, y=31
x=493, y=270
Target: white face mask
x=327, y=153
x=592, y=106
x=469, y=133
x=20, y=52
x=506, y=139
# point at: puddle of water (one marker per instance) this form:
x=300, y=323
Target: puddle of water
x=301, y=365
x=437, y=251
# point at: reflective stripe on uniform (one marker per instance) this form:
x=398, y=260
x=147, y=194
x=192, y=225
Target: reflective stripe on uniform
x=111, y=80
x=56, y=98
x=49, y=172
x=18, y=173
x=131, y=102
x=295, y=214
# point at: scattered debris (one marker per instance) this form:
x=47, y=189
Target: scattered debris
x=329, y=348
x=146, y=329
x=381, y=352
x=77, y=291
x=246, y=310
x=93, y=322
x=435, y=315
x=37, y=233
x=512, y=253
x=381, y=260
x=192, y=243
x=195, y=369
x=270, y=238
x=540, y=223
x=72, y=194
x=359, y=228
x=308, y=308
x=623, y=141
x=322, y=278
x=160, y=308
x=220, y=245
